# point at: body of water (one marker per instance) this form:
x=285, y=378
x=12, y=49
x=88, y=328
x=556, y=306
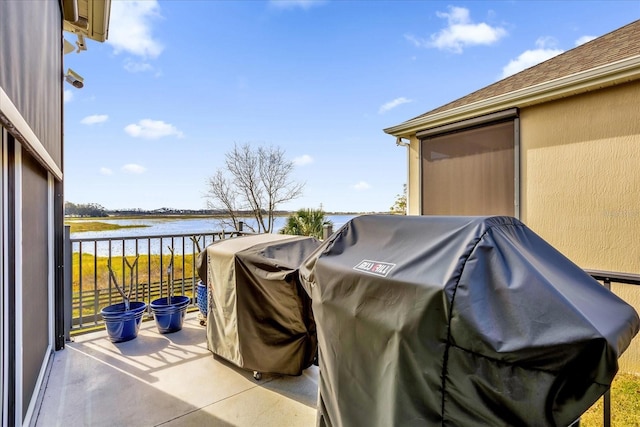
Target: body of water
x=135, y=240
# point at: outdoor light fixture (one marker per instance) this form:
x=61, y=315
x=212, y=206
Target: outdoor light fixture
x=74, y=78
x=401, y=143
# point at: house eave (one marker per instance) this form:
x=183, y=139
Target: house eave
x=611, y=74
x=89, y=18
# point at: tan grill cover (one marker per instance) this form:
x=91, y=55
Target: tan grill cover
x=259, y=316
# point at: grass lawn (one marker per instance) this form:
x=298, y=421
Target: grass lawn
x=79, y=226
x=625, y=404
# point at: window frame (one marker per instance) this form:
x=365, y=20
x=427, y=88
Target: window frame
x=512, y=114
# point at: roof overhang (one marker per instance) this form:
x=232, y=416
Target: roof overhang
x=88, y=18
x=596, y=78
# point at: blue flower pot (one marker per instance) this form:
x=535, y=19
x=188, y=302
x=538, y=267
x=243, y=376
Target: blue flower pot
x=169, y=317
x=123, y=325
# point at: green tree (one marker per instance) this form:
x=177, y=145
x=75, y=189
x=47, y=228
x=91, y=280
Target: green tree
x=84, y=210
x=400, y=205
x=306, y=222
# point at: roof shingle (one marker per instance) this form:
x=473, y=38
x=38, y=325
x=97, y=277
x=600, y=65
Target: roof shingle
x=612, y=47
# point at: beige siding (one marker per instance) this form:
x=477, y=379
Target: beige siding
x=580, y=182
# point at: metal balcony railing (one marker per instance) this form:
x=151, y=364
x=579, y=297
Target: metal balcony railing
x=607, y=278
x=89, y=286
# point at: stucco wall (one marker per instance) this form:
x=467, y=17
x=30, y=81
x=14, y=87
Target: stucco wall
x=580, y=182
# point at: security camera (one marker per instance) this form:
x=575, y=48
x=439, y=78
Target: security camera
x=74, y=78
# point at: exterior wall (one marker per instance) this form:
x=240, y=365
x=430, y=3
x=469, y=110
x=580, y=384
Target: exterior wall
x=31, y=110
x=31, y=67
x=580, y=183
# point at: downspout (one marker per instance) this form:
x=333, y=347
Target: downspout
x=401, y=143
x=70, y=10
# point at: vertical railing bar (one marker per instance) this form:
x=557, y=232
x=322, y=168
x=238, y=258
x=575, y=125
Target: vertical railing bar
x=109, y=259
x=137, y=257
x=183, y=265
x=96, y=290
x=80, y=314
x=148, y=272
x=173, y=271
x=161, y=269
x=124, y=276
x=606, y=401
x=606, y=405
x=193, y=265
x=68, y=283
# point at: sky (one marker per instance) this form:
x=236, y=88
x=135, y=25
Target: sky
x=178, y=83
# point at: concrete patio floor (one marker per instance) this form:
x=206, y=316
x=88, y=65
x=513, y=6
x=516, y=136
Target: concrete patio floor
x=167, y=380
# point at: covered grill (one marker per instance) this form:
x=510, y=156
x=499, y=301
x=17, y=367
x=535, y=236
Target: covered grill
x=259, y=317
x=458, y=321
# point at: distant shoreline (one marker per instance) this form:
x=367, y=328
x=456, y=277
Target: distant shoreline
x=98, y=224
x=188, y=216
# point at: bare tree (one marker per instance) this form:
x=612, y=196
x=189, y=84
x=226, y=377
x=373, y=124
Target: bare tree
x=254, y=181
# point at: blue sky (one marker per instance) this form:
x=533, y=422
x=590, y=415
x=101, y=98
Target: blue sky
x=179, y=82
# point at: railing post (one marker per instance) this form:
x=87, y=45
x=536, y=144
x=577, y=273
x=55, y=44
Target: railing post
x=327, y=230
x=67, y=288
x=606, y=406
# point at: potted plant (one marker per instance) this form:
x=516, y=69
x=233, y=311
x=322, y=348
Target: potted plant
x=169, y=312
x=122, y=320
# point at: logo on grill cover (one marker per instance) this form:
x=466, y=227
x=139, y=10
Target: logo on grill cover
x=378, y=268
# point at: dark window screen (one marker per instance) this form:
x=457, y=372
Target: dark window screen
x=470, y=172
x=35, y=273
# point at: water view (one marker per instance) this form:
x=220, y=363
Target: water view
x=136, y=240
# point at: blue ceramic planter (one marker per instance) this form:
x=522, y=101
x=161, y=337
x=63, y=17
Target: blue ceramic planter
x=202, y=298
x=123, y=325
x=169, y=317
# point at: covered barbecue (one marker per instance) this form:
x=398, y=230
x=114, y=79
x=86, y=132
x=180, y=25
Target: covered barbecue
x=458, y=321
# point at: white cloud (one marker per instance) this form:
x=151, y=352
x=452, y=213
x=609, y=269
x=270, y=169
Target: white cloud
x=584, y=39
x=393, y=104
x=461, y=32
x=305, y=159
x=136, y=67
x=67, y=96
x=152, y=129
x=361, y=186
x=292, y=4
x=130, y=28
x=133, y=168
x=545, y=49
x=96, y=118
x=106, y=171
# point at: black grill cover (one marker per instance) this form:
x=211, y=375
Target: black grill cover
x=259, y=317
x=458, y=321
